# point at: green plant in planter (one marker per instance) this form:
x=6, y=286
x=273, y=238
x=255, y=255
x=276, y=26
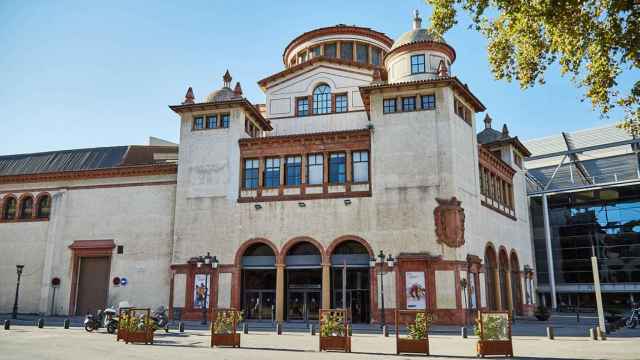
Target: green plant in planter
x=225, y=320
x=418, y=330
x=494, y=327
x=542, y=313
x=332, y=324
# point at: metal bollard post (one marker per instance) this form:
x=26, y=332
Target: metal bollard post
x=592, y=334
x=385, y=331
x=67, y=322
x=312, y=329
x=7, y=324
x=463, y=332
x=550, y=332
x=279, y=328
x=601, y=334
x=40, y=323
x=245, y=328
x=349, y=330
x=181, y=326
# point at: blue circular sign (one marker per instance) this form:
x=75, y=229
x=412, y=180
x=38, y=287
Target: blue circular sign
x=123, y=281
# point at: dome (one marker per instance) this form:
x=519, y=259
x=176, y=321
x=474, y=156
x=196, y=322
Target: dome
x=223, y=94
x=416, y=36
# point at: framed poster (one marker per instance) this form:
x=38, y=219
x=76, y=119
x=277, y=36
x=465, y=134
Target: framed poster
x=416, y=290
x=472, y=291
x=200, y=291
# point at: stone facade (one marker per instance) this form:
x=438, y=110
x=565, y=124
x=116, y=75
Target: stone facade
x=418, y=157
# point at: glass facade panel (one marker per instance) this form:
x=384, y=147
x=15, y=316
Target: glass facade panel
x=389, y=105
x=272, y=172
x=346, y=51
x=314, y=169
x=330, y=50
x=224, y=120
x=360, y=166
x=212, y=121
x=341, y=103
x=251, y=173
x=417, y=64
x=293, y=170
x=337, y=171
x=322, y=99
x=362, y=53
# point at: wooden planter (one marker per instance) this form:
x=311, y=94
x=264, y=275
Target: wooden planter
x=494, y=347
x=144, y=335
x=339, y=342
x=227, y=339
x=232, y=340
x=410, y=346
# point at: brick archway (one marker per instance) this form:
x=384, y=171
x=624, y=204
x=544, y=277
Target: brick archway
x=300, y=239
x=491, y=277
x=344, y=238
x=504, y=279
x=247, y=244
x=516, y=282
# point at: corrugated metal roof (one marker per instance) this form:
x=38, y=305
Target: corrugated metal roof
x=65, y=160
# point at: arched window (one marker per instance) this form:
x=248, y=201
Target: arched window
x=322, y=99
x=9, y=209
x=26, y=207
x=43, y=207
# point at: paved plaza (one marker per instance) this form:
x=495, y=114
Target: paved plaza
x=53, y=342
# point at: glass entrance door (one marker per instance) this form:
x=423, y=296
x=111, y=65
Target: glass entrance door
x=303, y=305
x=258, y=305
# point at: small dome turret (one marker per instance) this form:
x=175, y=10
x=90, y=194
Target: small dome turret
x=225, y=93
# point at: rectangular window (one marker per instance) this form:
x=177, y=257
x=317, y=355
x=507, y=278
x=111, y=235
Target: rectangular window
x=212, y=121
x=517, y=159
x=389, y=106
x=314, y=51
x=360, y=160
x=224, y=120
x=417, y=64
x=272, y=172
x=346, y=51
x=198, y=123
x=302, y=106
x=362, y=53
x=315, y=169
x=250, y=180
x=302, y=57
x=337, y=168
x=330, y=50
x=428, y=102
x=409, y=103
x=341, y=103
x=434, y=63
x=462, y=111
x=292, y=170
x=376, y=56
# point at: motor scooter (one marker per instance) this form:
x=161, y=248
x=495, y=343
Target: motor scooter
x=160, y=319
x=92, y=322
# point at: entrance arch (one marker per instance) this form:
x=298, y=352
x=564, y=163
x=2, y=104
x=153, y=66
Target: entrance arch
x=503, y=272
x=516, y=283
x=350, y=261
x=491, y=277
x=258, y=289
x=303, y=258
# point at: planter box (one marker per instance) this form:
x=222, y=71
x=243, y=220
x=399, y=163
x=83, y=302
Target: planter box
x=137, y=337
x=409, y=346
x=494, y=347
x=341, y=343
x=232, y=340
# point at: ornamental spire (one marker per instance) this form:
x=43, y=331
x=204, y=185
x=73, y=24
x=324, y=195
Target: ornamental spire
x=237, y=90
x=226, y=79
x=417, y=20
x=442, y=69
x=487, y=121
x=188, y=97
x=505, y=130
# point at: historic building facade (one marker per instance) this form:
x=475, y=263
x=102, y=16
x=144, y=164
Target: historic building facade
x=364, y=145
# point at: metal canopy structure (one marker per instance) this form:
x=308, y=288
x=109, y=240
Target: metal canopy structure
x=606, y=156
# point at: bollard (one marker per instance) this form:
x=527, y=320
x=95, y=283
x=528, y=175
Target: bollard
x=601, y=334
x=463, y=332
x=40, y=323
x=349, y=330
x=181, y=326
x=67, y=322
x=312, y=330
x=7, y=324
x=385, y=331
x=592, y=334
x=245, y=328
x=279, y=328
x=550, y=333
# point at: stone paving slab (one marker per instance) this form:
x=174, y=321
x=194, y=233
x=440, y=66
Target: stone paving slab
x=28, y=342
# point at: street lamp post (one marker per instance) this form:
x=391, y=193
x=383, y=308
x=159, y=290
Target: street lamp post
x=463, y=285
x=15, y=301
x=390, y=261
x=210, y=262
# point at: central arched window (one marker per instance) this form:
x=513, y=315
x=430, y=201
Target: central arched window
x=26, y=208
x=322, y=99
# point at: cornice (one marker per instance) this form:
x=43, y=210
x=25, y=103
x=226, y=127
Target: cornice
x=122, y=171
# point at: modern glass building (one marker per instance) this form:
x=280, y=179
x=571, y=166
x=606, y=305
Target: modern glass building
x=584, y=190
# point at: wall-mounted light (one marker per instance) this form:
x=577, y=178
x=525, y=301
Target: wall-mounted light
x=347, y=202
x=258, y=206
x=301, y=204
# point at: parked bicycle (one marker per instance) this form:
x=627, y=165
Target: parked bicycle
x=632, y=320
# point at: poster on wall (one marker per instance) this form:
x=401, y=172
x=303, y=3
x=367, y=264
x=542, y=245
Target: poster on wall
x=416, y=290
x=472, y=291
x=200, y=286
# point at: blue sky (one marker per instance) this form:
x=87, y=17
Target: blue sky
x=78, y=74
